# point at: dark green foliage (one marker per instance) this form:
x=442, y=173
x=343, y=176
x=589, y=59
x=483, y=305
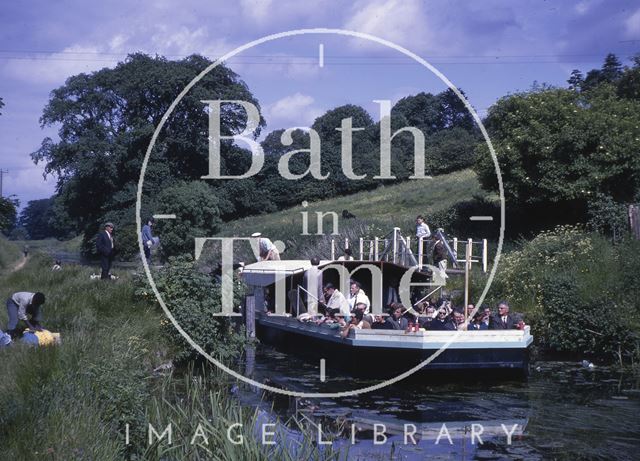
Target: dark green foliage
x=558, y=149
x=197, y=215
x=595, y=326
x=608, y=217
x=577, y=290
x=7, y=214
x=193, y=297
x=106, y=121
x=46, y=218
x=455, y=219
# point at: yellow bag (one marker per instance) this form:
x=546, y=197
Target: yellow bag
x=46, y=338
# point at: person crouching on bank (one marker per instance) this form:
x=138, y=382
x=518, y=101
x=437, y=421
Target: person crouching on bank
x=24, y=307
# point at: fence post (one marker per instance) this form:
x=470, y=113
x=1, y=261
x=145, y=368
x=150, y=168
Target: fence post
x=375, y=249
x=634, y=220
x=455, y=246
x=485, y=256
x=395, y=243
x=361, y=249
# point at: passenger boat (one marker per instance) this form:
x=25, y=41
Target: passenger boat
x=378, y=352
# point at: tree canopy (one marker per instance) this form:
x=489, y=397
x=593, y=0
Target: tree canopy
x=560, y=148
x=106, y=120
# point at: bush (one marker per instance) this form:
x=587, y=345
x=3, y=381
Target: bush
x=577, y=290
x=193, y=297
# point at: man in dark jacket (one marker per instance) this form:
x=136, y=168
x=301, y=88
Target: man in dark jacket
x=502, y=320
x=105, y=246
x=396, y=321
x=442, y=322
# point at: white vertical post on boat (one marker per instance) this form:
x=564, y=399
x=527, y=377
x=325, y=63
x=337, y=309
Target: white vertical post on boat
x=395, y=243
x=485, y=256
x=407, y=248
x=361, y=249
x=346, y=243
x=250, y=311
x=333, y=250
x=455, y=246
x=467, y=265
x=375, y=249
x=420, y=250
x=470, y=247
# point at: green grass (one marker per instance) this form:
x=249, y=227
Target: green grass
x=10, y=254
x=73, y=401
x=395, y=205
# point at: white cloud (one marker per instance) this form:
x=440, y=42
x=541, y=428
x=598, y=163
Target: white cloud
x=632, y=25
x=402, y=22
x=27, y=184
x=292, y=111
x=258, y=10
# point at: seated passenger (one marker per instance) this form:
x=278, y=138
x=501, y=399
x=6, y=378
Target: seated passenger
x=477, y=323
x=425, y=320
x=442, y=321
x=362, y=308
x=458, y=320
x=396, y=321
x=380, y=323
x=336, y=303
x=357, y=296
x=503, y=320
x=357, y=322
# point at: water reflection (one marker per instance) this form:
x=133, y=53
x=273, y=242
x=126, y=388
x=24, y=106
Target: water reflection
x=564, y=411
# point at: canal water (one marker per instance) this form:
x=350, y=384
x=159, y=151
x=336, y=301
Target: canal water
x=564, y=411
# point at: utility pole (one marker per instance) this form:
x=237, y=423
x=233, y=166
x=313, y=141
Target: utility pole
x=2, y=172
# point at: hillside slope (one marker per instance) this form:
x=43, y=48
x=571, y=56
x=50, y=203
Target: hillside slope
x=388, y=205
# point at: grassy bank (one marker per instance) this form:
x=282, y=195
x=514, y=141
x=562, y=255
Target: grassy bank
x=73, y=401
x=10, y=254
x=392, y=205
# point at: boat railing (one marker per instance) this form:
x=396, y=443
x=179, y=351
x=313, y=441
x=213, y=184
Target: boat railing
x=396, y=248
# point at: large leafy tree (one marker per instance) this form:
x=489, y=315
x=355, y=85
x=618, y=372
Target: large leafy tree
x=106, y=120
x=558, y=149
x=35, y=218
x=8, y=213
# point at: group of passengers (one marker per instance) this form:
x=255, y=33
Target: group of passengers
x=354, y=312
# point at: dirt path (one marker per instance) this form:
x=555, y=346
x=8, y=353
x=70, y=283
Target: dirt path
x=20, y=264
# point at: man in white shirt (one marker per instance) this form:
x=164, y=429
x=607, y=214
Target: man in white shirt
x=267, y=250
x=26, y=307
x=357, y=296
x=336, y=302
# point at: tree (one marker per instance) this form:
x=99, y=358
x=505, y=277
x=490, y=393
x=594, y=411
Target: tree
x=557, y=149
x=8, y=206
x=576, y=80
x=197, y=215
x=106, y=121
x=610, y=72
x=35, y=218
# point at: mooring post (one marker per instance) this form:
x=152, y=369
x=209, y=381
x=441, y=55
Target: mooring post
x=251, y=304
x=485, y=256
x=467, y=265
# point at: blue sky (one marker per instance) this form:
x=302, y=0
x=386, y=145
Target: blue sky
x=488, y=49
